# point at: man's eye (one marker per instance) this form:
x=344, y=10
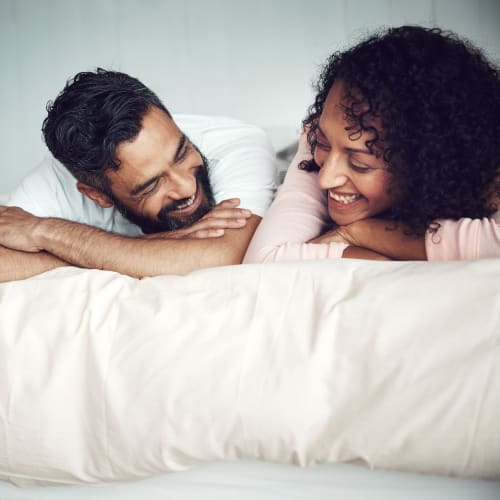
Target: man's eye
x=183, y=155
x=151, y=189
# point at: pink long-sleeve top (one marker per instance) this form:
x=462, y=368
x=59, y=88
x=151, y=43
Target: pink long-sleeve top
x=299, y=214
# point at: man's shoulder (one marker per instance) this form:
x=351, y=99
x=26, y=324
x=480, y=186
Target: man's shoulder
x=214, y=132
x=48, y=167
x=40, y=185
x=49, y=190
x=203, y=122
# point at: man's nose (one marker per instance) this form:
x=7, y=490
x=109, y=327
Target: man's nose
x=181, y=185
x=333, y=172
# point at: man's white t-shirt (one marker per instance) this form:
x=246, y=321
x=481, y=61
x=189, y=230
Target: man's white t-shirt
x=241, y=165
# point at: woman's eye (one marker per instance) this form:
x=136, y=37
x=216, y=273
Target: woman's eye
x=322, y=146
x=360, y=169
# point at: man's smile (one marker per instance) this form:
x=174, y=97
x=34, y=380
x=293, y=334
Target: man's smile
x=185, y=207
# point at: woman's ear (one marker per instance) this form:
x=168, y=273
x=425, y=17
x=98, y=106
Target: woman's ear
x=94, y=194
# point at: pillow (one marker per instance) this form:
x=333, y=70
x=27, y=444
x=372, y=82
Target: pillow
x=392, y=364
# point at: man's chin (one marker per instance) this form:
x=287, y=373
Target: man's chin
x=170, y=223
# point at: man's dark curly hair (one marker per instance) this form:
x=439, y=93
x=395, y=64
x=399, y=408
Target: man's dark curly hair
x=92, y=115
x=437, y=100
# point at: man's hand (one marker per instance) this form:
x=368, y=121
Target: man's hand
x=18, y=229
x=225, y=215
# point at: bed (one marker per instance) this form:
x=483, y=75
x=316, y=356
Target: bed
x=293, y=380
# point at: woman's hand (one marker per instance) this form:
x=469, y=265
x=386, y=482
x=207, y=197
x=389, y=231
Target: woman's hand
x=340, y=234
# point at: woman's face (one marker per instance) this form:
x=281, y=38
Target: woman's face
x=355, y=180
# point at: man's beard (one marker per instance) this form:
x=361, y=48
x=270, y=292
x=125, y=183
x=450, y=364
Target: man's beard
x=165, y=221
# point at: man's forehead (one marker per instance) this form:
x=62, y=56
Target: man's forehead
x=158, y=133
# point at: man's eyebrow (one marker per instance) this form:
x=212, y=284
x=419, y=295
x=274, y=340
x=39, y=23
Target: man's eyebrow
x=180, y=147
x=143, y=186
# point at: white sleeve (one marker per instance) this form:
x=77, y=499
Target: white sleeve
x=50, y=191
x=242, y=160
x=43, y=193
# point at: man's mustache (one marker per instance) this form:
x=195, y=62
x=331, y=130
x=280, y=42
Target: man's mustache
x=163, y=214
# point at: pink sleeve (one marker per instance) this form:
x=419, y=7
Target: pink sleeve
x=297, y=214
x=465, y=239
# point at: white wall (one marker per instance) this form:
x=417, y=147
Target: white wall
x=253, y=60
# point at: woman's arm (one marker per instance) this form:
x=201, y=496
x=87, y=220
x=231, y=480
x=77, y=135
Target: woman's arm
x=297, y=215
x=465, y=239
x=379, y=236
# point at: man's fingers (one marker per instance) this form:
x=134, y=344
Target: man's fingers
x=221, y=223
x=231, y=202
x=17, y=229
x=228, y=213
x=207, y=233
x=212, y=227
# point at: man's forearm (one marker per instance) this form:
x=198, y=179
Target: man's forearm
x=15, y=265
x=86, y=246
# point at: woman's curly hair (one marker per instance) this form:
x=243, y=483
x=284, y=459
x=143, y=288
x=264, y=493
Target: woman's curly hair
x=437, y=100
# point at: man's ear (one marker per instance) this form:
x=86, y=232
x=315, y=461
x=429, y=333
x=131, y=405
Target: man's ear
x=94, y=194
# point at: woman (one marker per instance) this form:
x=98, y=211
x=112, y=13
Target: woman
x=400, y=158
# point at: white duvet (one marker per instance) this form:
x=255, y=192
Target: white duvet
x=396, y=365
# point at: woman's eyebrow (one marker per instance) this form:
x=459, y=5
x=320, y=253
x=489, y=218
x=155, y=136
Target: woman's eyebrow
x=359, y=150
x=349, y=149
x=318, y=128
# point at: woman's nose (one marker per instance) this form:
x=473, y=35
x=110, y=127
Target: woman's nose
x=333, y=172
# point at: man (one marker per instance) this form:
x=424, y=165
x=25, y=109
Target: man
x=146, y=201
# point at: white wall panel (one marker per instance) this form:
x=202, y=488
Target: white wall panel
x=253, y=60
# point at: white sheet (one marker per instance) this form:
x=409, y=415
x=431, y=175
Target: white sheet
x=109, y=378
x=246, y=480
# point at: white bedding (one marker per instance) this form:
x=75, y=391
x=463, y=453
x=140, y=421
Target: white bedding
x=396, y=365
x=247, y=480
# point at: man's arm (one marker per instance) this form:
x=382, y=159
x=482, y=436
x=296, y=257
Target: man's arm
x=85, y=246
x=15, y=265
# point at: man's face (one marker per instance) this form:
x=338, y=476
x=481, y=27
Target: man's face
x=162, y=183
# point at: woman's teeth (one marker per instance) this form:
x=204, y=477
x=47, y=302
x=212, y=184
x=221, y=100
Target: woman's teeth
x=186, y=203
x=344, y=198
